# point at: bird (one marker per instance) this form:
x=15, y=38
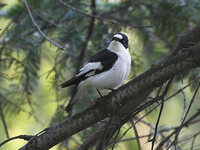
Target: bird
x=108, y=69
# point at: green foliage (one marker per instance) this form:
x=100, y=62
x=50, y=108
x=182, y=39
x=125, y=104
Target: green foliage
x=14, y=10
x=26, y=57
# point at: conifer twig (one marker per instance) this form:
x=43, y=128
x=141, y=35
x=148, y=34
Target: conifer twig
x=100, y=17
x=39, y=30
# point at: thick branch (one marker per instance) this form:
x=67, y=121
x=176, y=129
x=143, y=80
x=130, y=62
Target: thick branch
x=128, y=95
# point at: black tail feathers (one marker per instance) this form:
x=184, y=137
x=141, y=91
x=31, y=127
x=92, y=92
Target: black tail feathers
x=69, y=82
x=74, y=80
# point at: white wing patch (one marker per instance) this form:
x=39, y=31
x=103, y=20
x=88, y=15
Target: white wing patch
x=119, y=36
x=90, y=73
x=90, y=66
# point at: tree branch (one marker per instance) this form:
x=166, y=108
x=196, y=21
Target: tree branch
x=160, y=113
x=3, y=120
x=136, y=134
x=24, y=137
x=186, y=114
x=185, y=124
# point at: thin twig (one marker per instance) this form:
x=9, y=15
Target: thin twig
x=102, y=141
x=40, y=31
x=185, y=124
x=150, y=111
x=161, y=110
x=99, y=93
x=4, y=121
x=14, y=105
x=165, y=100
x=92, y=139
x=143, y=136
x=194, y=137
x=113, y=146
x=99, y=17
x=156, y=127
x=189, y=107
x=184, y=105
x=98, y=135
x=24, y=137
x=40, y=15
x=187, y=138
x=181, y=89
x=145, y=105
x=136, y=134
x=45, y=26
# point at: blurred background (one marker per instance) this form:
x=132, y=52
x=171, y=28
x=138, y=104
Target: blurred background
x=32, y=68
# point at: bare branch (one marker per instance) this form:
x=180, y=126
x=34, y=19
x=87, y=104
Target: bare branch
x=184, y=104
x=99, y=17
x=39, y=30
x=113, y=146
x=3, y=120
x=147, y=104
x=194, y=137
x=92, y=139
x=185, y=124
x=42, y=17
x=15, y=105
x=24, y=137
x=189, y=107
x=161, y=109
x=136, y=134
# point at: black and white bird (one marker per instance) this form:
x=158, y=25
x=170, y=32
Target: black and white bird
x=108, y=69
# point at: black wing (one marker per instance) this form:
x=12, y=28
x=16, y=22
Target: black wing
x=107, y=60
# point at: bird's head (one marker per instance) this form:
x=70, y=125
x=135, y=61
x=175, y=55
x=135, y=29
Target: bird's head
x=122, y=38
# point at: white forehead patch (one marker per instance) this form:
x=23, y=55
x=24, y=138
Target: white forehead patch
x=119, y=36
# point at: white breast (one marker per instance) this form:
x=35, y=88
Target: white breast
x=123, y=66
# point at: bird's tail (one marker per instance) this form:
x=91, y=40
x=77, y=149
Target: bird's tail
x=69, y=82
x=74, y=80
